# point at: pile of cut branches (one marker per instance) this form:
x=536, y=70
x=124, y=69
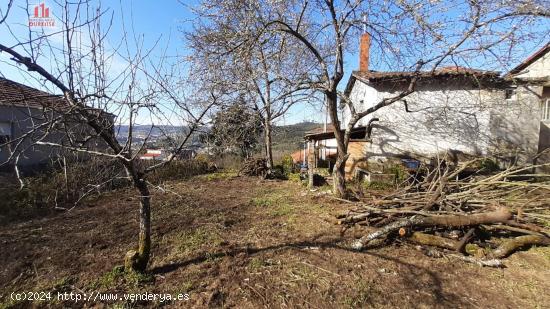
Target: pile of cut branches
x=479, y=218
x=254, y=167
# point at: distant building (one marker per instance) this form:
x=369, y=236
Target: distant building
x=28, y=115
x=455, y=111
x=153, y=154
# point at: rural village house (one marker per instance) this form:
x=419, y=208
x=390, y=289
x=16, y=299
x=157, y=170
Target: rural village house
x=25, y=116
x=456, y=111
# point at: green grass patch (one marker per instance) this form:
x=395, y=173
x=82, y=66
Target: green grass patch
x=223, y=175
x=256, y=264
x=118, y=276
x=276, y=203
x=281, y=210
x=195, y=239
x=377, y=185
x=263, y=201
x=363, y=295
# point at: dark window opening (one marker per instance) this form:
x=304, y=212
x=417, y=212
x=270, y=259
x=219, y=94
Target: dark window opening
x=4, y=139
x=510, y=93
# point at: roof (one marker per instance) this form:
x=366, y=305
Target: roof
x=329, y=134
x=441, y=73
x=151, y=155
x=318, y=130
x=534, y=57
x=16, y=94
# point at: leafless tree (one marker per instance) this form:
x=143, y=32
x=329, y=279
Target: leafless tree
x=408, y=35
x=98, y=81
x=271, y=71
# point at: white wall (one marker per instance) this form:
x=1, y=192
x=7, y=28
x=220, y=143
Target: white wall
x=537, y=69
x=446, y=116
x=515, y=125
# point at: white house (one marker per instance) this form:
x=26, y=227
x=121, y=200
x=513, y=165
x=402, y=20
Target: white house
x=455, y=111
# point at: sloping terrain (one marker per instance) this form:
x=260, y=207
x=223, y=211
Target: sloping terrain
x=247, y=243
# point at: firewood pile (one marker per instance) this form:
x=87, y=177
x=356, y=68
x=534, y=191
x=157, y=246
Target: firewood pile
x=254, y=167
x=478, y=218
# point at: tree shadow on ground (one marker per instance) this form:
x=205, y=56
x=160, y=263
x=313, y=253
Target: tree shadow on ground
x=410, y=279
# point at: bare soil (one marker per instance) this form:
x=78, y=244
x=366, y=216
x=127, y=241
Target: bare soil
x=247, y=243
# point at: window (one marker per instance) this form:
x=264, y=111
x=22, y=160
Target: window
x=510, y=94
x=5, y=132
x=546, y=110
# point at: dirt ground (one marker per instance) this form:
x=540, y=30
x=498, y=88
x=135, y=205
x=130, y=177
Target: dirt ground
x=247, y=243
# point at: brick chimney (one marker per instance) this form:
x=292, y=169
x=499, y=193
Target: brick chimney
x=364, y=52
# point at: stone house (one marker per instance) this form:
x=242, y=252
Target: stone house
x=26, y=115
x=454, y=112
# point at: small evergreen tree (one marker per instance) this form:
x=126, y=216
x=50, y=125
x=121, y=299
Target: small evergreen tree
x=236, y=130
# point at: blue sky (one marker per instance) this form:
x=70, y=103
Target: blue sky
x=164, y=19
x=161, y=21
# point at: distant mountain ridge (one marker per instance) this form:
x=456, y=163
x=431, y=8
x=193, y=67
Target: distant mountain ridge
x=286, y=139
x=290, y=138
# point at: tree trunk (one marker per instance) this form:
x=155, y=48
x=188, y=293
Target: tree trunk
x=138, y=260
x=268, y=145
x=338, y=176
x=339, y=181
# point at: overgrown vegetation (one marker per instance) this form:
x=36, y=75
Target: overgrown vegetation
x=235, y=130
x=63, y=187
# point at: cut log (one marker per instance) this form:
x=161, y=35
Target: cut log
x=528, y=226
x=353, y=219
x=499, y=215
x=432, y=240
x=487, y=263
x=511, y=245
x=510, y=229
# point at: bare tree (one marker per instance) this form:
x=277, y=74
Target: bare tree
x=269, y=70
x=76, y=60
x=410, y=35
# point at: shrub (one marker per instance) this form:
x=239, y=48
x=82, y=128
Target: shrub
x=296, y=177
x=488, y=165
x=64, y=186
x=60, y=186
x=287, y=164
x=278, y=172
x=399, y=171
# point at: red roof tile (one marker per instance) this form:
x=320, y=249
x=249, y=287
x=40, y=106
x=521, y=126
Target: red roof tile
x=16, y=94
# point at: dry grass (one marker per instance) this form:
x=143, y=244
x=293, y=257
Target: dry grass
x=241, y=242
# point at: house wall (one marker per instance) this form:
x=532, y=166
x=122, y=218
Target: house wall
x=544, y=136
x=455, y=117
x=357, y=158
x=515, y=126
x=534, y=83
x=537, y=69
x=24, y=119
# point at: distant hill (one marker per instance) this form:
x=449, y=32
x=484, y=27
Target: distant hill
x=286, y=139
x=152, y=134
x=290, y=138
